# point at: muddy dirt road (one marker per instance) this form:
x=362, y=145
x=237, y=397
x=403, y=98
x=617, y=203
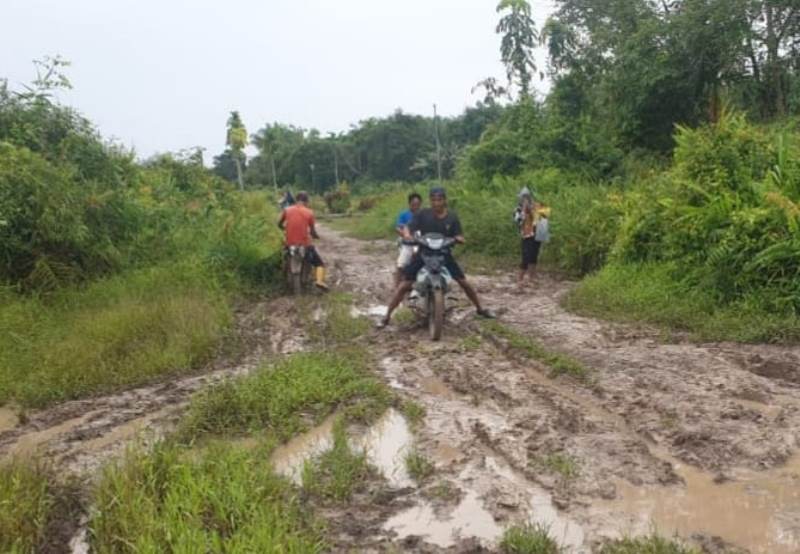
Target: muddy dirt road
x=698, y=440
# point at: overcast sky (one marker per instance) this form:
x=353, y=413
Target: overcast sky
x=162, y=75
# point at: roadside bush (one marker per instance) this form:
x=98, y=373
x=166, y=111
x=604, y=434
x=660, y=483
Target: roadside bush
x=728, y=215
x=366, y=203
x=338, y=200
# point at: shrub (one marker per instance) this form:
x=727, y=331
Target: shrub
x=338, y=200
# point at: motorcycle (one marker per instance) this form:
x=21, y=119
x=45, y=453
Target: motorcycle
x=297, y=269
x=433, y=280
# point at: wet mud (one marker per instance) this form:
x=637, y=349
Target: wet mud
x=694, y=440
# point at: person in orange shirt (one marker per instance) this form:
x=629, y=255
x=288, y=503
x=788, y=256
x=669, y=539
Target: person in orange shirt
x=298, y=223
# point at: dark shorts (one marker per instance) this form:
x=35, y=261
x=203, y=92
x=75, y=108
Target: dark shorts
x=312, y=257
x=410, y=271
x=530, y=252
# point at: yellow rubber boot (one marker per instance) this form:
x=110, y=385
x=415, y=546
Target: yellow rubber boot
x=319, y=273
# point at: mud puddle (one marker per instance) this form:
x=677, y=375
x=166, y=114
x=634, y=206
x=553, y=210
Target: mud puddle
x=385, y=443
x=468, y=519
x=509, y=491
x=374, y=310
x=757, y=511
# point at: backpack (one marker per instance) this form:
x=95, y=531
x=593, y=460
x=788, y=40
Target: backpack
x=542, y=230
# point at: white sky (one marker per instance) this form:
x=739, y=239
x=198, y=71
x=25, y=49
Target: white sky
x=162, y=75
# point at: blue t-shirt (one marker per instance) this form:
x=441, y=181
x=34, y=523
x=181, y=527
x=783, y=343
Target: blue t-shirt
x=404, y=218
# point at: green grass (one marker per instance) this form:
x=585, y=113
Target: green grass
x=528, y=539
x=562, y=464
x=274, y=398
x=221, y=499
x=413, y=411
x=337, y=324
x=337, y=472
x=404, y=316
x=34, y=507
x=649, y=294
x=647, y=545
x=115, y=333
x=419, y=467
x=470, y=343
x=559, y=363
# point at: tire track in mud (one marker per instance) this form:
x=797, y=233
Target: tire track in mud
x=679, y=420
x=80, y=436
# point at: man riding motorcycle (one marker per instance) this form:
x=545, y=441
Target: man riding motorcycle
x=436, y=219
x=298, y=224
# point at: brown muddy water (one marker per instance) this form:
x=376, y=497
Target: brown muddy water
x=758, y=511
x=386, y=444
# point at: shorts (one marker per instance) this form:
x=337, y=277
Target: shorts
x=410, y=271
x=406, y=252
x=312, y=257
x=530, y=252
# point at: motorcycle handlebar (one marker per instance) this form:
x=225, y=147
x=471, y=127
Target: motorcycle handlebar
x=448, y=241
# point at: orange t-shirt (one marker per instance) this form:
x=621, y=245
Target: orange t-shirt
x=297, y=223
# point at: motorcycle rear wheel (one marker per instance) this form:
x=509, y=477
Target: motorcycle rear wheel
x=297, y=284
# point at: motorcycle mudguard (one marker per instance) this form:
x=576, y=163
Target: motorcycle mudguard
x=297, y=255
x=427, y=280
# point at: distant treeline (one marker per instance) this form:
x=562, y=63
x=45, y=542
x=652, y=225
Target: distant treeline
x=623, y=73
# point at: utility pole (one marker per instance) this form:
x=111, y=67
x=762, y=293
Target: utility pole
x=438, y=145
x=336, y=164
x=274, y=174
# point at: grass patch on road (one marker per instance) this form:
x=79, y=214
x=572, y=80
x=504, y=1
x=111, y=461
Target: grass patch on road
x=331, y=319
x=115, y=333
x=227, y=499
x=529, y=539
x=563, y=464
x=276, y=397
x=36, y=510
x=338, y=472
x=337, y=323
x=413, y=411
x=559, y=363
x=418, y=466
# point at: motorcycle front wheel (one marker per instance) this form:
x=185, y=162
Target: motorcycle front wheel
x=436, y=313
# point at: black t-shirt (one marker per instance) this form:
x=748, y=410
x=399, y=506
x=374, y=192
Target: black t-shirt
x=425, y=221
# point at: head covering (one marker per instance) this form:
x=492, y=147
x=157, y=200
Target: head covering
x=525, y=191
x=438, y=191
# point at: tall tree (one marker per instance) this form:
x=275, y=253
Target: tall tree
x=236, y=141
x=520, y=37
x=773, y=49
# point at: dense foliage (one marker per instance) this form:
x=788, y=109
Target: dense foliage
x=113, y=272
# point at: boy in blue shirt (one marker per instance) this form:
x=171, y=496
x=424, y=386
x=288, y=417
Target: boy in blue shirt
x=405, y=251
